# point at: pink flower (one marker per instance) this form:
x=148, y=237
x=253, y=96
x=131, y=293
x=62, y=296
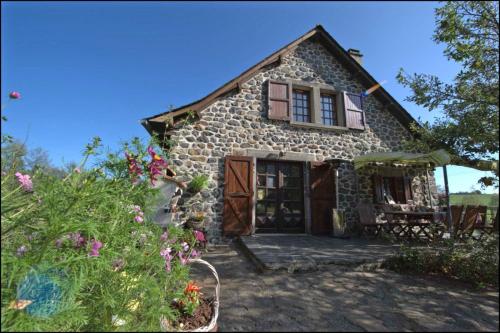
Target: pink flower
x=156, y=165
x=133, y=167
x=165, y=253
x=77, y=238
x=185, y=246
x=164, y=236
x=77, y=170
x=182, y=259
x=138, y=219
x=96, y=245
x=199, y=236
x=25, y=181
x=15, y=95
x=194, y=254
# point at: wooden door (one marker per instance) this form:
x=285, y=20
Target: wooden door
x=238, y=195
x=322, y=197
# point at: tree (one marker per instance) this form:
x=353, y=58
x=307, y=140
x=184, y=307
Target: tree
x=13, y=153
x=37, y=158
x=468, y=127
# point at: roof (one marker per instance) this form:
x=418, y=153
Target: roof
x=435, y=158
x=319, y=34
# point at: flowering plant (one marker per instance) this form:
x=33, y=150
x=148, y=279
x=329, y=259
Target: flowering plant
x=191, y=298
x=81, y=253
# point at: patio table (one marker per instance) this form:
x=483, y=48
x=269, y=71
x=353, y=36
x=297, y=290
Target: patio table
x=411, y=228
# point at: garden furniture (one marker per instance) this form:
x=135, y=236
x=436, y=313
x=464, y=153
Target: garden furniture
x=369, y=225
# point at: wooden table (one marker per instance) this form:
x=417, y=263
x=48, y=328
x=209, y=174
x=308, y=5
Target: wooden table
x=410, y=228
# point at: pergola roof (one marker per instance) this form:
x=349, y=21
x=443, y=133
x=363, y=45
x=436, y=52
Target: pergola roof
x=436, y=158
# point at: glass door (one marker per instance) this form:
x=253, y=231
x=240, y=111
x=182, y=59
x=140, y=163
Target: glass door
x=280, y=197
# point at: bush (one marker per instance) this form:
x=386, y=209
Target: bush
x=80, y=253
x=474, y=261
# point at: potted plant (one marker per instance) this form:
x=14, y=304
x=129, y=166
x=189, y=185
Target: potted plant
x=197, y=220
x=198, y=312
x=198, y=183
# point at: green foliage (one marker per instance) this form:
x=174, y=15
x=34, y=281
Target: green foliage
x=16, y=155
x=468, y=128
x=490, y=200
x=52, y=231
x=198, y=183
x=474, y=261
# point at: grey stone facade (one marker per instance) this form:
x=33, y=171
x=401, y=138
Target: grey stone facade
x=238, y=122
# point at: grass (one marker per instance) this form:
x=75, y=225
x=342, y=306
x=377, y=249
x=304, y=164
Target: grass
x=490, y=200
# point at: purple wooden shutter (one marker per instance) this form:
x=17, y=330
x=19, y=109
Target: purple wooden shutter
x=279, y=100
x=353, y=107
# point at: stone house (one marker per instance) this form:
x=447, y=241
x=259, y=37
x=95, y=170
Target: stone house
x=278, y=143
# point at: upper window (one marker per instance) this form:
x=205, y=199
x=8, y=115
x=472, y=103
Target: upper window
x=328, y=114
x=301, y=106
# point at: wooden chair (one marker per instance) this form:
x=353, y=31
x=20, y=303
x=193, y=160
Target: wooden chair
x=456, y=218
x=471, y=218
x=367, y=219
x=481, y=225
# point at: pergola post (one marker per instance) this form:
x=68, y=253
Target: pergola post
x=447, y=193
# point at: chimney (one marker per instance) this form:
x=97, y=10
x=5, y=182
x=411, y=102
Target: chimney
x=356, y=55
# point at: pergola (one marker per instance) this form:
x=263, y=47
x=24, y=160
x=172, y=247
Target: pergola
x=433, y=159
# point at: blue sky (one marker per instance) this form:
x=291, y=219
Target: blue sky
x=97, y=68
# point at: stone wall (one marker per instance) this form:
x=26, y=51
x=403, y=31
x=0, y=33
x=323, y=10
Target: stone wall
x=239, y=121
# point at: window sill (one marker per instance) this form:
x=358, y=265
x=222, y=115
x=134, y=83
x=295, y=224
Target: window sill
x=318, y=126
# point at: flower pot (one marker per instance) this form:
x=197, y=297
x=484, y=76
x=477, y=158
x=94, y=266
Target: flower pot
x=197, y=225
x=212, y=325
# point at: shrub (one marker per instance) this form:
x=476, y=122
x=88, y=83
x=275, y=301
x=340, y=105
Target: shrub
x=80, y=253
x=198, y=183
x=474, y=261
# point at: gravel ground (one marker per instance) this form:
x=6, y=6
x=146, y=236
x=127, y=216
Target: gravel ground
x=338, y=298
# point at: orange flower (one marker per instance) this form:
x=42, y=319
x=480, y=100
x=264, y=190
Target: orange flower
x=157, y=157
x=191, y=287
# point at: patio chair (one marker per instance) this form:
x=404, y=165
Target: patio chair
x=368, y=219
x=471, y=218
x=456, y=218
x=481, y=225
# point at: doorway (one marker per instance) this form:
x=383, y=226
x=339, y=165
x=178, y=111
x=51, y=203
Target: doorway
x=280, y=197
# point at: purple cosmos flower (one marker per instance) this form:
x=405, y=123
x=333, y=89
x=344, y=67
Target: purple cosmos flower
x=164, y=237
x=25, y=181
x=96, y=245
x=182, y=259
x=165, y=253
x=199, y=236
x=194, y=254
x=185, y=246
x=138, y=219
x=15, y=95
x=21, y=250
x=77, y=238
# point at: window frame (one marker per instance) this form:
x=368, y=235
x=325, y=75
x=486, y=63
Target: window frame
x=334, y=108
x=306, y=92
